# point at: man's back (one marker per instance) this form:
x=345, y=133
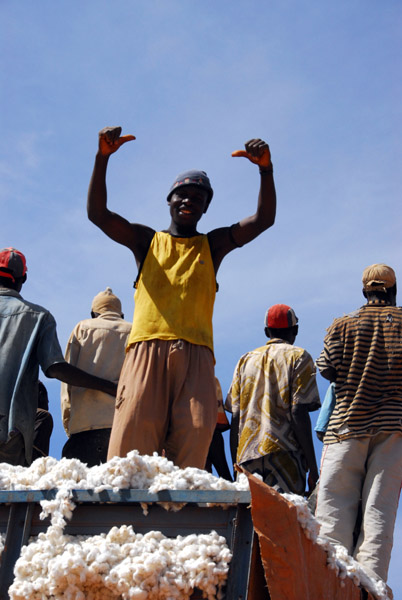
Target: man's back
x=361, y=466
x=365, y=349
x=272, y=392
x=27, y=340
x=97, y=346
x=267, y=382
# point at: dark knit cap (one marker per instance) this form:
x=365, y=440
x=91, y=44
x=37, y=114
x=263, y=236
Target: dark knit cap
x=199, y=178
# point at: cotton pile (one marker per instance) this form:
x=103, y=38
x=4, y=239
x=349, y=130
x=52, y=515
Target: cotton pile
x=134, y=471
x=120, y=564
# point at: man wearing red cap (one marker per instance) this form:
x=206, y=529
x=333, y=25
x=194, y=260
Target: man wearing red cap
x=27, y=339
x=167, y=398
x=273, y=390
x=362, y=457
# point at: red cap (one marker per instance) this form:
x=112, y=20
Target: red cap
x=280, y=316
x=12, y=263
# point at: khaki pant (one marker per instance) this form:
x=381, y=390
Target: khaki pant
x=369, y=470
x=166, y=400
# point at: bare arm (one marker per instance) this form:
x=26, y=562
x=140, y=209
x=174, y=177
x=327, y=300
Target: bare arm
x=257, y=151
x=75, y=376
x=301, y=426
x=135, y=236
x=223, y=240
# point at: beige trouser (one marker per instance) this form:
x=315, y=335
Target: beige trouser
x=166, y=400
x=367, y=469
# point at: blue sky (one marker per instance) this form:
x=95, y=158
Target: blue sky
x=319, y=81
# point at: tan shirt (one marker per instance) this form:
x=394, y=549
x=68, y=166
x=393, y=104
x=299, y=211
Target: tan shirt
x=98, y=347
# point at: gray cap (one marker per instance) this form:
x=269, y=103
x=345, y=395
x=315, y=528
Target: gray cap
x=199, y=178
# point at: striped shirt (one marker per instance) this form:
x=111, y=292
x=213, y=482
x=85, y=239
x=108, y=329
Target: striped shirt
x=365, y=349
x=267, y=382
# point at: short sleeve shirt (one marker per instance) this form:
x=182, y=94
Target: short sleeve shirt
x=364, y=348
x=96, y=346
x=267, y=382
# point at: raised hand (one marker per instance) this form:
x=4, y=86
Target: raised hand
x=257, y=151
x=110, y=140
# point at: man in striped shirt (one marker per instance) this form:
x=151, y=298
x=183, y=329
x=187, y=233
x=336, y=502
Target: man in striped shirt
x=362, y=456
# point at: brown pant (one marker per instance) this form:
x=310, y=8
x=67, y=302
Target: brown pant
x=166, y=400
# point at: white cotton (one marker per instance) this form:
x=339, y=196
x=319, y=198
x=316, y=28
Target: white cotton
x=338, y=557
x=346, y=566
x=305, y=517
x=173, y=565
x=119, y=564
x=134, y=471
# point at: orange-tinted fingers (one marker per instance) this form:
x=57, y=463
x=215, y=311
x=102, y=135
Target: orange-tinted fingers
x=108, y=145
x=125, y=138
x=245, y=154
x=241, y=153
x=257, y=152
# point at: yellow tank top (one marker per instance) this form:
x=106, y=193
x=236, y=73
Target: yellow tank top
x=175, y=292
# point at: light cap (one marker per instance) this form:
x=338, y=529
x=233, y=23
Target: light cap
x=378, y=278
x=106, y=301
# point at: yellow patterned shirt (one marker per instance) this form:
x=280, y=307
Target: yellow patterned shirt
x=267, y=381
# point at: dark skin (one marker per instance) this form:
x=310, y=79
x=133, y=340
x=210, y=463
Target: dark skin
x=300, y=419
x=75, y=376
x=95, y=315
x=187, y=204
x=64, y=371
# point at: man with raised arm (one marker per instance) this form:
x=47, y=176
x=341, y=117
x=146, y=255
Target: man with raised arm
x=166, y=398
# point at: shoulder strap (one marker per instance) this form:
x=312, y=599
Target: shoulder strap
x=135, y=284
